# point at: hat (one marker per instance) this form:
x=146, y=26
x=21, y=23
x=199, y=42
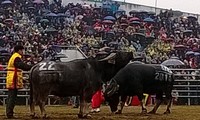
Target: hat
x=18, y=47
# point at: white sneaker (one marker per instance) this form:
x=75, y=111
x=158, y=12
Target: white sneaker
x=96, y=110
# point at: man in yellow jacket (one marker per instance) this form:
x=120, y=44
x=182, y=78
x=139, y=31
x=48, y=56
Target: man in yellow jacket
x=14, y=79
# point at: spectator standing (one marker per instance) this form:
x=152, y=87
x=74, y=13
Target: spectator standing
x=14, y=79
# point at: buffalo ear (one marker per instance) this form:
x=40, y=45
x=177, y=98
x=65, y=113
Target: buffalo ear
x=112, y=61
x=117, y=87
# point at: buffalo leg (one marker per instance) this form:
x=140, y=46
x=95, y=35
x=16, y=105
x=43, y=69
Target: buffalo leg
x=122, y=103
x=42, y=109
x=32, y=103
x=84, y=108
x=159, y=98
x=32, y=108
x=42, y=103
x=80, y=115
x=114, y=105
x=169, y=101
x=142, y=103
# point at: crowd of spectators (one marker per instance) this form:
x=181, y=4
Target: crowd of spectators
x=39, y=25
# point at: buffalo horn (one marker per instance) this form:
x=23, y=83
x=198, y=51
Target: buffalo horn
x=111, y=56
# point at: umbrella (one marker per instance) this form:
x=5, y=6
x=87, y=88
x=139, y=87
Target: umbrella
x=180, y=47
x=97, y=8
x=79, y=17
x=51, y=15
x=151, y=13
x=134, y=19
x=139, y=34
x=124, y=24
x=110, y=33
x=50, y=30
x=44, y=20
x=76, y=8
x=3, y=51
x=143, y=12
x=174, y=57
x=8, y=20
x=150, y=20
x=197, y=54
x=173, y=62
x=106, y=7
x=170, y=39
x=189, y=53
x=120, y=10
x=187, y=31
x=6, y=2
x=86, y=6
x=109, y=18
x=61, y=15
x=112, y=43
x=107, y=21
x=46, y=11
x=5, y=54
x=38, y=2
x=192, y=17
x=150, y=39
x=133, y=11
x=135, y=23
x=1, y=33
x=31, y=8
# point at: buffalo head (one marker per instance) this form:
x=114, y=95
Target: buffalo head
x=111, y=88
x=120, y=59
x=111, y=94
x=114, y=62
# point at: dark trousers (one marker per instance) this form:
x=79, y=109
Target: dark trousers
x=12, y=96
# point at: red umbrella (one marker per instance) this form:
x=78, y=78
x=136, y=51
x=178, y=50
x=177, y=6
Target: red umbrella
x=124, y=24
x=170, y=39
x=180, y=47
x=134, y=19
x=8, y=21
x=107, y=22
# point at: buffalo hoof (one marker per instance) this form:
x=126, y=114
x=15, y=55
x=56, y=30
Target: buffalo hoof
x=88, y=116
x=152, y=112
x=45, y=117
x=144, y=111
x=34, y=116
x=118, y=112
x=167, y=112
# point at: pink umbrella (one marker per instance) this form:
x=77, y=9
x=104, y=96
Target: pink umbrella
x=108, y=21
x=38, y=2
x=134, y=19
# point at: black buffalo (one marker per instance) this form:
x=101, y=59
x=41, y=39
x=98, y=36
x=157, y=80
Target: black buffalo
x=136, y=79
x=75, y=78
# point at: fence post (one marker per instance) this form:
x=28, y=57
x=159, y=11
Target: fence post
x=188, y=93
x=49, y=101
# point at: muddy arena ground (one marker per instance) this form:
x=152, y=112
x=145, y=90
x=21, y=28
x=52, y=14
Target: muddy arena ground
x=129, y=113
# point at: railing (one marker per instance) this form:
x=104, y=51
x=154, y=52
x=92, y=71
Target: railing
x=186, y=87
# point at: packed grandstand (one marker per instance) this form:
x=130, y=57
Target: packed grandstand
x=152, y=37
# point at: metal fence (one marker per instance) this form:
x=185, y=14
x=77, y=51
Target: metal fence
x=186, y=87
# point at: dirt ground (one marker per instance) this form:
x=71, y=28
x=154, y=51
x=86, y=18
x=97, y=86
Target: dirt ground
x=129, y=113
